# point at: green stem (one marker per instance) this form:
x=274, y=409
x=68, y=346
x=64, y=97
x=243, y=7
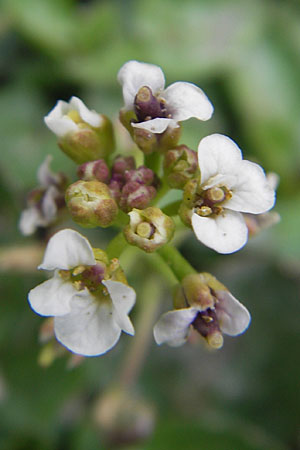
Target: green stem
x=153, y=162
x=164, y=189
x=160, y=266
x=116, y=246
x=172, y=208
x=137, y=352
x=178, y=264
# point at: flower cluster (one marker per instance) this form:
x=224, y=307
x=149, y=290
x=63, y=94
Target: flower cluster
x=224, y=199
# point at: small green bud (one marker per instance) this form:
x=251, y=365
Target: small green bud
x=90, y=204
x=149, y=229
x=88, y=143
x=180, y=165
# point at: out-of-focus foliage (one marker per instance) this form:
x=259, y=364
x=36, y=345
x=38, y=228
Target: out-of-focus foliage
x=245, y=55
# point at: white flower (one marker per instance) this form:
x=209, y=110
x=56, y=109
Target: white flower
x=229, y=186
x=227, y=316
x=87, y=320
x=65, y=117
x=43, y=201
x=156, y=107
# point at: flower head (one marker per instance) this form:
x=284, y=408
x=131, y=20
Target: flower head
x=88, y=296
x=204, y=304
x=228, y=186
x=155, y=107
x=45, y=201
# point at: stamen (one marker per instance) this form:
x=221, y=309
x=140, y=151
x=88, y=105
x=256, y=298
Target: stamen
x=204, y=211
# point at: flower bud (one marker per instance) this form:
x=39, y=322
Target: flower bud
x=197, y=292
x=149, y=229
x=90, y=204
x=136, y=195
x=180, y=165
x=145, y=140
x=123, y=417
x=122, y=163
x=94, y=170
x=83, y=135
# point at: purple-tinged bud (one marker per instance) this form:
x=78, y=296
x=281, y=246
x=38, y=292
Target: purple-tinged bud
x=136, y=195
x=149, y=229
x=122, y=163
x=91, y=204
x=115, y=189
x=180, y=165
x=147, y=106
x=142, y=175
x=94, y=170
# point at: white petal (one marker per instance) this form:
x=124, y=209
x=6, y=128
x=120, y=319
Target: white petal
x=173, y=326
x=133, y=75
x=57, y=120
x=52, y=298
x=89, y=116
x=66, y=250
x=218, y=154
x=29, y=221
x=234, y=318
x=185, y=100
x=158, y=125
x=252, y=192
x=89, y=329
x=123, y=299
x=226, y=233
x=49, y=208
x=45, y=175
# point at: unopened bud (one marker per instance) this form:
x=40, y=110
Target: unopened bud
x=94, y=170
x=84, y=135
x=145, y=140
x=123, y=417
x=123, y=163
x=136, y=195
x=197, y=292
x=90, y=204
x=89, y=143
x=149, y=237
x=180, y=165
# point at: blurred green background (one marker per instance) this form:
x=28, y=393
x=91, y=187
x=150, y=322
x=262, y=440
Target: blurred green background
x=246, y=57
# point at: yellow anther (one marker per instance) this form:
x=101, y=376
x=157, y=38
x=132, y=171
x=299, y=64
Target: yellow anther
x=78, y=270
x=204, y=211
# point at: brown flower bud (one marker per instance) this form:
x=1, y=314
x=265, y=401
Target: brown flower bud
x=91, y=204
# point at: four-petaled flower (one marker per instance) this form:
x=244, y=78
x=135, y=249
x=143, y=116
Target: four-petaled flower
x=68, y=117
x=89, y=310
x=228, y=187
x=208, y=307
x=157, y=108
